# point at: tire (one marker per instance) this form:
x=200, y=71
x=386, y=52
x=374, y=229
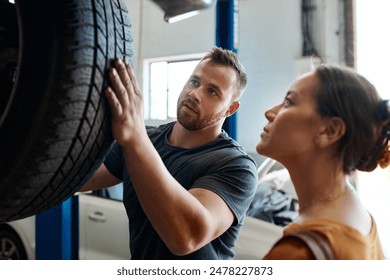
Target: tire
x=11, y=247
x=54, y=120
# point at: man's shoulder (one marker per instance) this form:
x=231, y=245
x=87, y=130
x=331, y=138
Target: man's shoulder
x=158, y=129
x=225, y=141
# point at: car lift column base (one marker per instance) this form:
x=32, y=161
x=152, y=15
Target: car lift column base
x=57, y=232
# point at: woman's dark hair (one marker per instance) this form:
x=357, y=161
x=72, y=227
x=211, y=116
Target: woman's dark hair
x=345, y=94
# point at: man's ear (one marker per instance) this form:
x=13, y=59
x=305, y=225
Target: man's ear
x=333, y=130
x=233, y=108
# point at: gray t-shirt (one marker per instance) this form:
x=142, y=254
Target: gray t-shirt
x=221, y=166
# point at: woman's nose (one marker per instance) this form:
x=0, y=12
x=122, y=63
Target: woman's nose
x=271, y=113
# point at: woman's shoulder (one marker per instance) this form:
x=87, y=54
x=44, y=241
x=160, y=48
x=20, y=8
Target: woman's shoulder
x=342, y=238
x=345, y=213
x=332, y=229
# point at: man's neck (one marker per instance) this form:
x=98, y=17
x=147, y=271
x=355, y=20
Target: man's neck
x=184, y=138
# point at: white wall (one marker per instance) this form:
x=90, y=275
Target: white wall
x=270, y=40
x=270, y=46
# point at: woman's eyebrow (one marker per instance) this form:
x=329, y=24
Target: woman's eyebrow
x=293, y=93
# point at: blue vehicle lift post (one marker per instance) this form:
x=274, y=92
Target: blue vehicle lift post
x=57, y=232
x=227, y=38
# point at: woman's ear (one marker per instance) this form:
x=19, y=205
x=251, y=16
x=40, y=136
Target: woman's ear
x=233, y=108
x=333, y=130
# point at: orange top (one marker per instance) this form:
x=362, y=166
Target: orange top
x=347, y=243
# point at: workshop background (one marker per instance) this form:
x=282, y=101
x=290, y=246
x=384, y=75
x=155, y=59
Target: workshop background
x=276, y=41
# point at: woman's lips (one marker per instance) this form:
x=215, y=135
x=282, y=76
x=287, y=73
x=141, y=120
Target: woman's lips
x=264, y=133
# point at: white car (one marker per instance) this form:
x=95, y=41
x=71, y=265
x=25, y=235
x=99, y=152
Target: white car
x=103, y=223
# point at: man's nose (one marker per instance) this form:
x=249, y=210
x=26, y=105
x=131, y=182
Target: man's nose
x=195, y=93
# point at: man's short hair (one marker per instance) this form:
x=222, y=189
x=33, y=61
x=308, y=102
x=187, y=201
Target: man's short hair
x=229, y=58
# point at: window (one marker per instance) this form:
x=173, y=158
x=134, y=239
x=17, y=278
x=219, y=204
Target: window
x=164, y=79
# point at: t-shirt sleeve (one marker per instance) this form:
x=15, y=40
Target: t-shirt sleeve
x=235, y=182
x=114, y=161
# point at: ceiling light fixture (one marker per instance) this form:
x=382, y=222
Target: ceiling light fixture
x=176, y=10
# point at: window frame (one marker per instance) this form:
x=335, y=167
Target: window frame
x=146, y=81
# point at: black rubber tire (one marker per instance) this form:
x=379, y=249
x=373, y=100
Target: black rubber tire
x=54, y=121
x=11, y=247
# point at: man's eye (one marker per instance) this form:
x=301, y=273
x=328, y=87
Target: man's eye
x=195, y=82
x=212, y=91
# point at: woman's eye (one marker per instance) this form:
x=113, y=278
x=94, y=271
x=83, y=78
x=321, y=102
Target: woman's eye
x=287, y=101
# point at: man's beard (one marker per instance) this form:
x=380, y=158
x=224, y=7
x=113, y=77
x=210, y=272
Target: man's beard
x=193, y=122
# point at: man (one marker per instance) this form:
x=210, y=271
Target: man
x=187, y=184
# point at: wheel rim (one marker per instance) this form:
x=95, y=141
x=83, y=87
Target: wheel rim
x=8, y=249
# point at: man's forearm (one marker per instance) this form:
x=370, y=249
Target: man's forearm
x=179, y=218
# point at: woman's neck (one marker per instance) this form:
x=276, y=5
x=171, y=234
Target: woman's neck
x=318, y=182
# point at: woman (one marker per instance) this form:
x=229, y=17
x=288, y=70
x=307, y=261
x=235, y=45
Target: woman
x=331, y=123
